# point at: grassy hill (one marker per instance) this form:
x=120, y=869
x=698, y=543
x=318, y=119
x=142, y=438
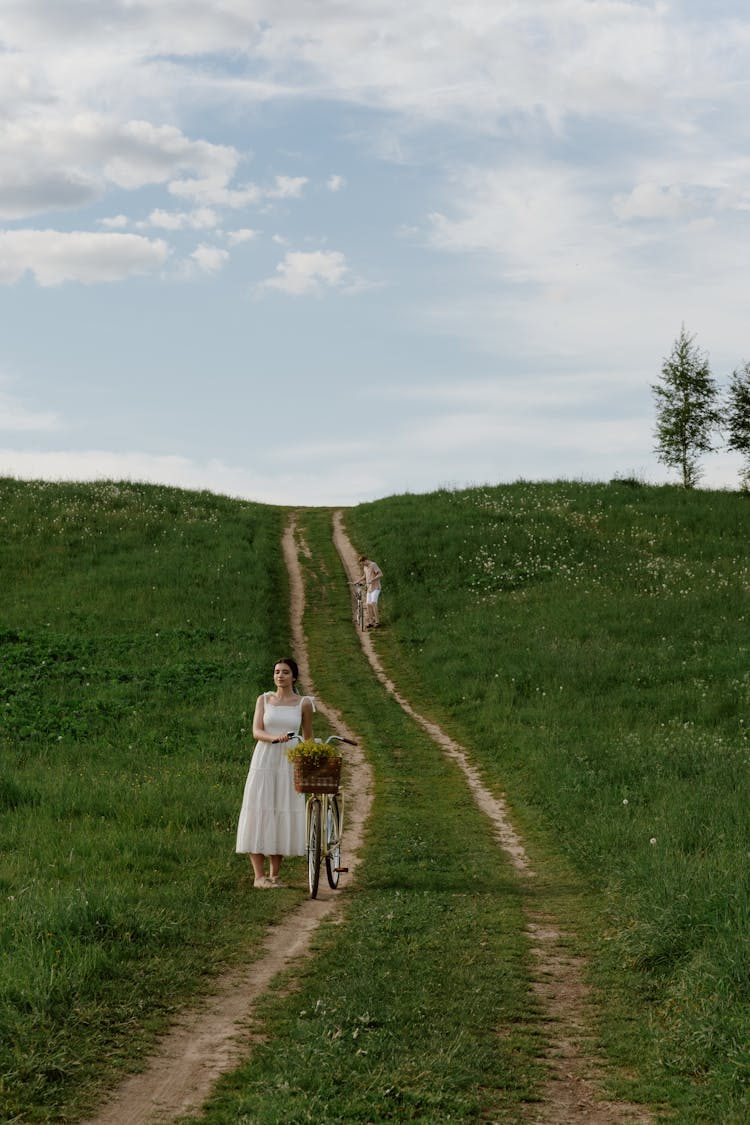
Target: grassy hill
x=588, y=642
x=135, y=626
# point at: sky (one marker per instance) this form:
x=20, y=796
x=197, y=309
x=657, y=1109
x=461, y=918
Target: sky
x=326, y=251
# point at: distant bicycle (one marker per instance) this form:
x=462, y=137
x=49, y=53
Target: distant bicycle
x=358, y=589
x=324, y=816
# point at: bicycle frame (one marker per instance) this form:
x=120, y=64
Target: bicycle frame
x=359, y=603
x=324, y=822
x=324, y=825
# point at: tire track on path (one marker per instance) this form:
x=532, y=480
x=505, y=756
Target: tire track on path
x=572, y=1095
x=213, y=1038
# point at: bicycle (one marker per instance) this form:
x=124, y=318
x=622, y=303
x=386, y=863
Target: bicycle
x=324, y=818
x=359, y=604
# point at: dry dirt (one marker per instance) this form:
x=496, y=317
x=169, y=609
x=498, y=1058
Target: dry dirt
x=214, y=1037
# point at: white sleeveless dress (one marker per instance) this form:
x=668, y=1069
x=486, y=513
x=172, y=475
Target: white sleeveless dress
x=272, y=817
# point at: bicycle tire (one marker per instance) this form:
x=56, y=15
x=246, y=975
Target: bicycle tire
x=333, y=842
x=313, y=847
x=360, y=613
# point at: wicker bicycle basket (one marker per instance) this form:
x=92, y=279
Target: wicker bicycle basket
x=324, y=778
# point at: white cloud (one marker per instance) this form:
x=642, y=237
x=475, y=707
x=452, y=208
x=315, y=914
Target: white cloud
x=539, y=222
x=324, y=486
x=56, y=256
x=213, y=191
x=654, y=201
x=26, y=189
x=304, y=273
x=335, y=183
x=203, y=218
x=237, y=237
x=139, y=153
x=552, y=277
x=475, y=63
x=210, y=259
x=115, y=222
x=96, y=465
x=287, y=187
x=52, y=161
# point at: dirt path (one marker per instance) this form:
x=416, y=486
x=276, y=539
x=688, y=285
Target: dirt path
x=572, y=1095
x=212, y=1038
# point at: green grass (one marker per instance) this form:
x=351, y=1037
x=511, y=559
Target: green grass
x=137, y=626
x=590, y=644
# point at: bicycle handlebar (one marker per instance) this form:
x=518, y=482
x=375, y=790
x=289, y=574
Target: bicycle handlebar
x=331, y=738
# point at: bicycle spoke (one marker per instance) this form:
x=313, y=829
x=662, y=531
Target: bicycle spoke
x=313, y=847
x=333, y=841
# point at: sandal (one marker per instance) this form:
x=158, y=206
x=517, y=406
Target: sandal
x=263, y=883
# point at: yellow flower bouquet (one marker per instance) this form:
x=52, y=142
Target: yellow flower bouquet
x=312, y=752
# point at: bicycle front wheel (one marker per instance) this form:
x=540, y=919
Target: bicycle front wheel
x=360, y=613
x=313, y=847
x=333, y=842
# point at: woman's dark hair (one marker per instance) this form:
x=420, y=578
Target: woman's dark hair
x=292, y=664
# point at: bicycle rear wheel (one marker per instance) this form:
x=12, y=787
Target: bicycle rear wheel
x=333, y=842
x=313, y=847
x=360, y=612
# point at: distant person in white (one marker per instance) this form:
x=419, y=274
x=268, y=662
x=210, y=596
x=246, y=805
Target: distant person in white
x=371, y=575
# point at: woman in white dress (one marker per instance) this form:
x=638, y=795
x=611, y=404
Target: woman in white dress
x=272, y=818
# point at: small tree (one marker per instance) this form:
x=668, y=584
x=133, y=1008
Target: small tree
x=737, y=418
x=686, y=411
